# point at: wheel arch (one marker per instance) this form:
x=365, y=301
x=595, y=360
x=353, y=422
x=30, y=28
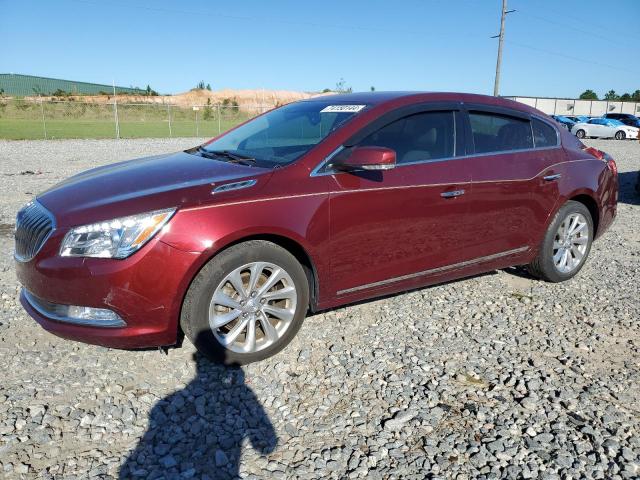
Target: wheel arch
x=592, y=205
x=287, y=242
x=294, y=248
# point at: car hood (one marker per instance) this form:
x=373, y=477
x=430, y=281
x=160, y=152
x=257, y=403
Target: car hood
x=135, y=186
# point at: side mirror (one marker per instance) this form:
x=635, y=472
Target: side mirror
x=368, y=158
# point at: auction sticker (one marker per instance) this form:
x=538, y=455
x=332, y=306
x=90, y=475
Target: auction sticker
x=342, y=108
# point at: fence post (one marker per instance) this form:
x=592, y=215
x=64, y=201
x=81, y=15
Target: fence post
x=169, y=115
x=218, y=108
x=115, y=111
x=44, y=123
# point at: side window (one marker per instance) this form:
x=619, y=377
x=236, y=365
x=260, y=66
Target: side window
x=499, y=133
x=423, y=136
x=544, y=135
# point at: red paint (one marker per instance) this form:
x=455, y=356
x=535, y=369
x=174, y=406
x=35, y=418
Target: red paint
x=356, y=229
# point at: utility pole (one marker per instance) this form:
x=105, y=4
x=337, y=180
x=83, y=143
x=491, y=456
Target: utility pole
x=500, y=36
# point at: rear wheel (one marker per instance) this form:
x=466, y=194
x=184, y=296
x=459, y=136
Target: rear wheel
x=246, y=304
x=620, y=135
x=581, y=133
x=566, y=244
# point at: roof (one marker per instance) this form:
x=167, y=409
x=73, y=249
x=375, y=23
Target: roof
x=376, y=98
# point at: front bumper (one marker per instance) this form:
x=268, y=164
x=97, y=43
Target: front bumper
x=145, y=290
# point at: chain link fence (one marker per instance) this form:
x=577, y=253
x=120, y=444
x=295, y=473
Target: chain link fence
x=51, y=119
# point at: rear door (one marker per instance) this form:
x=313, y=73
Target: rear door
x=392, y=227
x=510, y=198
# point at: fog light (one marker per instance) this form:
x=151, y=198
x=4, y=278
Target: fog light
x=79, y=315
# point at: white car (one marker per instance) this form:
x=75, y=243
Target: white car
x=604, y=128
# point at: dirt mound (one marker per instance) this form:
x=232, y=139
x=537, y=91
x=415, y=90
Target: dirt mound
x=198, y=97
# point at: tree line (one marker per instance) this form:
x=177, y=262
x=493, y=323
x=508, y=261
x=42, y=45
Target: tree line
x=611, y=95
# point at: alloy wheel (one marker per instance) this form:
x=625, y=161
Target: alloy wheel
x=570, y=243
x=253, y=307
x=620, y=135
x=580, y=134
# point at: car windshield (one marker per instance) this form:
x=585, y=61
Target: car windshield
x=281, y=136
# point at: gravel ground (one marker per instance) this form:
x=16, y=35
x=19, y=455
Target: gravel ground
x=494, y=376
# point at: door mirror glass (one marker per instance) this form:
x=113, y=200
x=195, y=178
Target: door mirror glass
x=367, y=158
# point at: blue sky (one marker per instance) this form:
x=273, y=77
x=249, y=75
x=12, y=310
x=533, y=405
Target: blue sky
x=552, y=48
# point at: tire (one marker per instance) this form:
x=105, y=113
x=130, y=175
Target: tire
x=271, y=317
x=548, y=265
x=620, y=135
x=581, y=133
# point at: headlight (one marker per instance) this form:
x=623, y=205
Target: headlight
x=117, y=238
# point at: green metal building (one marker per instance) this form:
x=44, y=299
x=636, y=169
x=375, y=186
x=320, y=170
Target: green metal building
x=25, y=85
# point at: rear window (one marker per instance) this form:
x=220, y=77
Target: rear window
x=544, y=135
x=498, y=133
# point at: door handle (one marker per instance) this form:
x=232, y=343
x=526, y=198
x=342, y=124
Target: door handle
x=550, y=178
x=452, y=193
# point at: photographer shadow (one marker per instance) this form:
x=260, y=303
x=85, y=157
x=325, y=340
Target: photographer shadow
x=198, y=432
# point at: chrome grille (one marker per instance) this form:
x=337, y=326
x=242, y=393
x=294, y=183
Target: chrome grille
x=34, y=224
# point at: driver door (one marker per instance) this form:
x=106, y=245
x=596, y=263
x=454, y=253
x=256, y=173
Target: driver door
x=392, y=229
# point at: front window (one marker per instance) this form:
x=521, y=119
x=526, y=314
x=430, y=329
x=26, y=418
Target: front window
x=419, y=137
x=283, y=135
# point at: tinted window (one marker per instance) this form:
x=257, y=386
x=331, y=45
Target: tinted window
x=543, y=135
x=423, y=136
x=497, y=133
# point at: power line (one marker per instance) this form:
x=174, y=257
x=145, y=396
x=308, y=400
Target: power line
x=570, y=57
x=590, y=33
x=582, y=21
x=267, y=21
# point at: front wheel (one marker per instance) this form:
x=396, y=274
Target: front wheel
x=620, y=135
x=566, y=244
x=246, y=304
x=581, y=134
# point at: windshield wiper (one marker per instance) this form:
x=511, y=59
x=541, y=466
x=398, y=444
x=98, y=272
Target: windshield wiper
x=233, y=157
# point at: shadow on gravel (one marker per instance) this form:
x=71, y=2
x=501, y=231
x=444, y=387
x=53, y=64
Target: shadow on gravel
x=198, y=432
x=627, y=184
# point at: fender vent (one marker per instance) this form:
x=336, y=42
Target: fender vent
x=234, y=186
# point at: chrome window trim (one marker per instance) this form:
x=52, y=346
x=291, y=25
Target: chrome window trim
x=432, y=271
x=36, y=304
x=22, y=259
x=316, y=173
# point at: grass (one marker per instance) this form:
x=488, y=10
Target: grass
x=32, y=129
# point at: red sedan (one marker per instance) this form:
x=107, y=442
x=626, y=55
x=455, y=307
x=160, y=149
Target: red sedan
x=315, y=204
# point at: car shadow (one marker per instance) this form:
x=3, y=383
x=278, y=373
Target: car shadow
x=627, y=188
x=199, y=431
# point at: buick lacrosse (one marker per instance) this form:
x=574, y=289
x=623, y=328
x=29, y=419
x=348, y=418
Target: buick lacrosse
x=315, y=204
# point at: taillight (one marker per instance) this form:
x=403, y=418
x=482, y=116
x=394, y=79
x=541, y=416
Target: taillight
x=599, y=154
x=605, y=157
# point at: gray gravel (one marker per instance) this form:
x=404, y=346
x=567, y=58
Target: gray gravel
x=494, y=376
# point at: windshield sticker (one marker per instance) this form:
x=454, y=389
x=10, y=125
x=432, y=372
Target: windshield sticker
x=342, y=108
